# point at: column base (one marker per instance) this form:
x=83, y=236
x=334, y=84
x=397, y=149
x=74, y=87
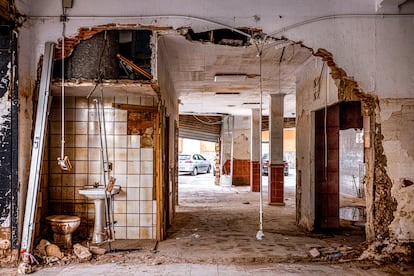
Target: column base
x=276, y=184
x=255, y=176
x=277, y=203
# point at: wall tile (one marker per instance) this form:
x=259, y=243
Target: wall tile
x=154, y=206
x=146, y=167
x=148, y=101
x=145, y=233
x=109, y=128
x=133, y=233
x=120, y=141
x=133, y=220
x=94, y=154
x=133, y=207
x=145, y=193
x=81, y=102
x=120, y=232
x=121, y=115
x=120, y=207
x=68, y=193
x=145, y=206
x=55, y=140
x=70, y=114
x=145, y=220
x=95, y=167
x=146, y=181
x=94, y=141
x=147, y=154
x=134, y=141
x=82, y=115
x=81, y=153
x=133, y=193
x=55, y=180
x=81, y=141
x=109, y=115
x=120, y=219
x=134, y=154
x=122, y=193
x=121, y=180
x=133, y=99
x=121, y=128
x=133, y=167
x=92, y=178
x=68, y=179
x=55, y=193
x=133, y=181
x=81, y=180
x=121, y=154
x=69, y=126
x=122, y=99
x=93, y=128
x=69, y=101
x=120, y=167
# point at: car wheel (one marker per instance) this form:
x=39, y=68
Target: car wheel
x=286, y=174
x=208, y=169
x=194, y=172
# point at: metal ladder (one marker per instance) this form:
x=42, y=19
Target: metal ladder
x=42, y=113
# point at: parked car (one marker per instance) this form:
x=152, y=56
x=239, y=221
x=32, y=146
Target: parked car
x=193, y=164
x=265, y=165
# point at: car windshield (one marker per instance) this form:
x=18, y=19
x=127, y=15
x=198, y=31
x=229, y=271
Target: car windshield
x=184, y=157
x=265, y=156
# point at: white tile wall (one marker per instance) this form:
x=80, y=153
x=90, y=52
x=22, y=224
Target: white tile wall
x=134, y=208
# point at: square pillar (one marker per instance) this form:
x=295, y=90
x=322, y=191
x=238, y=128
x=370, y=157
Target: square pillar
x=276, y=175
x=255, y=151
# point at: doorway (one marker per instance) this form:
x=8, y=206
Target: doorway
x=330, y=165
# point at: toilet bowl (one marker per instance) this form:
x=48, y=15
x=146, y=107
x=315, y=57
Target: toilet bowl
x=63, y=226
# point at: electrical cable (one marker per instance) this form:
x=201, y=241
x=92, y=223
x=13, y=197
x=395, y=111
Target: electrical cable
x=260, y=234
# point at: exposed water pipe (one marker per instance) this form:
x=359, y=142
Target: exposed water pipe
x=63, y=161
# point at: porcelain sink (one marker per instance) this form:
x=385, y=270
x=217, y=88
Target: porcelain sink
x=92, y=192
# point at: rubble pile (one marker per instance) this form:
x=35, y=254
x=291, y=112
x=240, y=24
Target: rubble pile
x=389, y=251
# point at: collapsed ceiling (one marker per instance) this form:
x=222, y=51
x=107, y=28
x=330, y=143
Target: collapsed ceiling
x=217, y=77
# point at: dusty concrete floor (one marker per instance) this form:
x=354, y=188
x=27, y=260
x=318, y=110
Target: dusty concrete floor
x=215, y=232
x=217, y=224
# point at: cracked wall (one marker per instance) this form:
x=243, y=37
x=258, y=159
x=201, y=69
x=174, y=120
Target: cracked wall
x=388, y=157
x=397, y=122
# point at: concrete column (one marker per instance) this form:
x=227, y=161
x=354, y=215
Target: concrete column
x=276, y=177
x=255, y=150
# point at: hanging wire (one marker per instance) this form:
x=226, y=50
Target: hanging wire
x=260, y=234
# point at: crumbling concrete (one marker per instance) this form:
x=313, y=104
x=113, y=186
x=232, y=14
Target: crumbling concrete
x=388, y=199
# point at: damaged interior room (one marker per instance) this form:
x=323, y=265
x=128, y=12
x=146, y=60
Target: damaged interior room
x=221, y=137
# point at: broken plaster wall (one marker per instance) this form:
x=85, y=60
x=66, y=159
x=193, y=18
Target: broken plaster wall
x=397, y=122
x=314, y=91
x=377, y=52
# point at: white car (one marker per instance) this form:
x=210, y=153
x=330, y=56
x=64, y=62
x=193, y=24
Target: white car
x=193, y=163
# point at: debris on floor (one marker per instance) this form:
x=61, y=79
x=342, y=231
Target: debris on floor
x=389, y=251
x=82, y=252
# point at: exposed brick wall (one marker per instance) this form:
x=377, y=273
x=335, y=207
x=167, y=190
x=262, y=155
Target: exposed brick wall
x=241, y=171
x=255, y=176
